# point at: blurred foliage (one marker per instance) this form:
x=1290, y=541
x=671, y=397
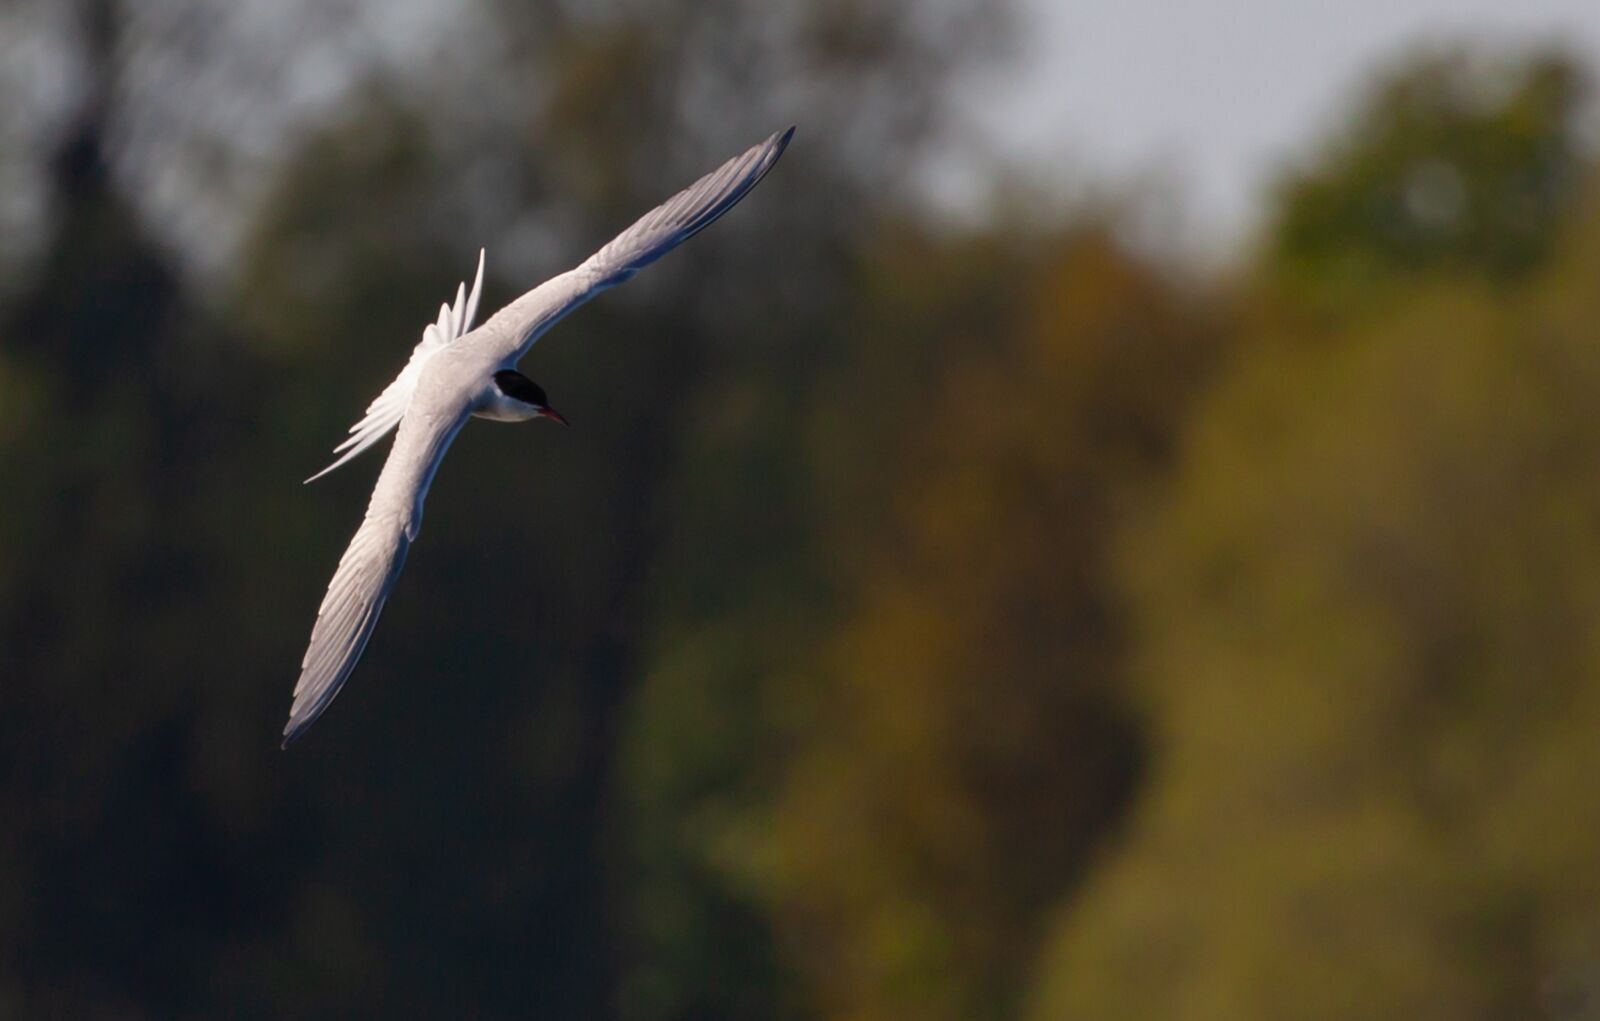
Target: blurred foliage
x=1459, y=161
x=1371, y=660
x=1368, y=604
x=915, y=623
x=932, y=767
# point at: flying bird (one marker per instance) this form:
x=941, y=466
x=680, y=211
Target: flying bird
x=456, y=373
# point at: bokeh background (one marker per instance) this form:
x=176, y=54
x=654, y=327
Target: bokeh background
x=988, y=577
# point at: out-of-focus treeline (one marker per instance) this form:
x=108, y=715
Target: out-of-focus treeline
x=990, y=622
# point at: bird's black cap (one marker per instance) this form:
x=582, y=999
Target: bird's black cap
x=515, y=385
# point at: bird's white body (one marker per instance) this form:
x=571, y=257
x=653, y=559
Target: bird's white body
x=451, y=377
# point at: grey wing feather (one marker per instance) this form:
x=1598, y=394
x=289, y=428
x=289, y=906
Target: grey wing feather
x=369, y=568
x=653, y=235
x=684, y=215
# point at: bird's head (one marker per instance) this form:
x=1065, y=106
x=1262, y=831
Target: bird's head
x=525, y=396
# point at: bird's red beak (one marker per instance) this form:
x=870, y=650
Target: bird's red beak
x=553, y=415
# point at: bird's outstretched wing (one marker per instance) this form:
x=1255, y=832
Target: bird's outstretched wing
x=371, y=565
x=514, y=328
x=386, y=410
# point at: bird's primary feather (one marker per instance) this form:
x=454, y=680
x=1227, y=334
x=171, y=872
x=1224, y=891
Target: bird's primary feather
x=513, y=330
x=370, y=567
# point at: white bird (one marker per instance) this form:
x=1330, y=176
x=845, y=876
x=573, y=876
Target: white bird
x=457, y=373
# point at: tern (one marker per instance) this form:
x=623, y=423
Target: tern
x=456, y=373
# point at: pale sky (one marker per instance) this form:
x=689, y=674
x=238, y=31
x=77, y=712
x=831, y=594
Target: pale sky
x=1198, y=103
x=1209, y=97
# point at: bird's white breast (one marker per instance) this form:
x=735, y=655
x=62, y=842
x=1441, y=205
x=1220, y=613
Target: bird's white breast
x=497, y=407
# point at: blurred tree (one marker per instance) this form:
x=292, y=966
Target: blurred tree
x=1367, y=645
x=109, y=422
x=954, y=745
x=971, y=746
x=456, y=840
x=1458, y=160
